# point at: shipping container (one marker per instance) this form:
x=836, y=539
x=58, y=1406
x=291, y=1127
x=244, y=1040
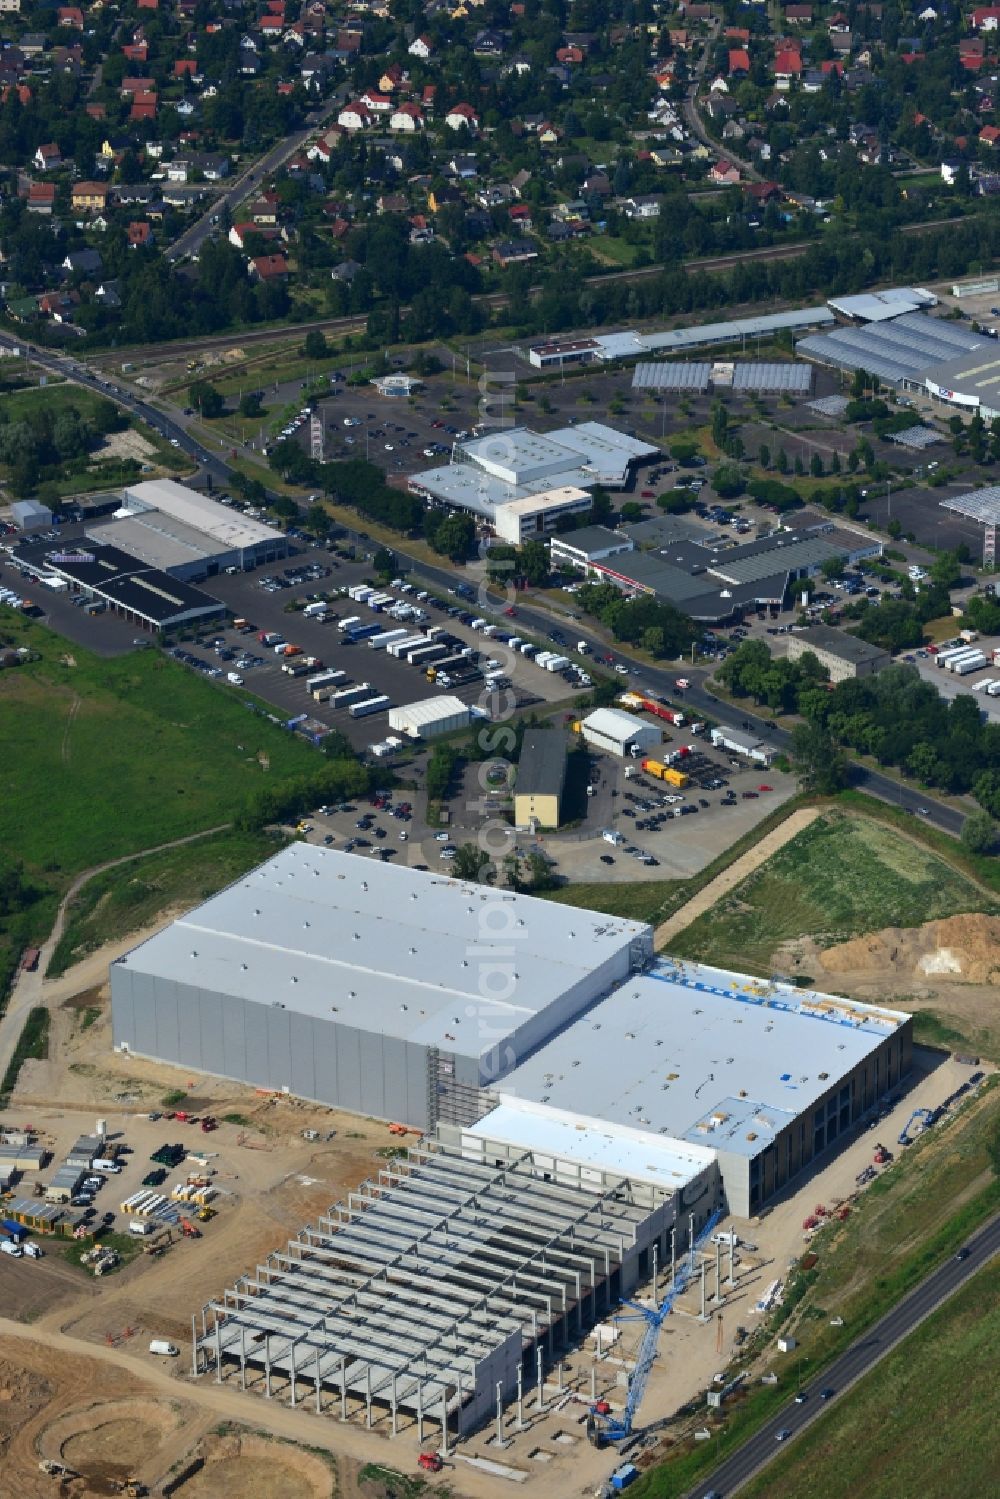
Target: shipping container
x=372, y=705
x=320, y=606
x=362, y=632
x=353, y=619
x=970, y=663
x=360, y=592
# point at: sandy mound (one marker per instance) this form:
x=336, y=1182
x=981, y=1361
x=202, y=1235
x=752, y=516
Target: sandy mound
x=962, y=949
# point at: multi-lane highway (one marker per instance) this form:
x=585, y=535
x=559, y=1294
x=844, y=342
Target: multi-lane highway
x=863, y=1354
x=165, y=419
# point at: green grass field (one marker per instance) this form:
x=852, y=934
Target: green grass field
x=129, y=897
x=842, y=876
x=107, y=757
x=923, y=1423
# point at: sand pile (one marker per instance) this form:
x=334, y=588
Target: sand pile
x=961, y=949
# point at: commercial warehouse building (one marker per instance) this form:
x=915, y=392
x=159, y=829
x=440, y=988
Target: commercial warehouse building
x=765, y=1074
x=618, y=733
x=899, y=350
x=541, y=779
x=843, y=655
x=981, y=506
x=430, y=717
x=538, y=515
x=365, y=986
x=602, y=348
x=685, y=565
x=504, y=467
x=145, y=596
x=585, y=1104
x=448, y=1281
x=188, y=534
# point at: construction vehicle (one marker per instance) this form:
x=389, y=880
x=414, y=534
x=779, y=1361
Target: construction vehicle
x=602, y=1426
x=209, y=1123
x=926, y=1118
x=882, y=1156
x=56, y=1470
x=431, y=1462
x=403, y=1129
x=189, y=1230
x=205, y=1215
x=132, y=1488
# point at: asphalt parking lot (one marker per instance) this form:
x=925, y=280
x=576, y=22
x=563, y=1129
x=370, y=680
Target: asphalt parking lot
x=397, y=679
x=105, y=634
x=682, y=843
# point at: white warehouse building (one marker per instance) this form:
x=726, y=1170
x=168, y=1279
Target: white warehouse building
x=620, y=733
x=188, y=535
x=583, y=1103
x=430, y=717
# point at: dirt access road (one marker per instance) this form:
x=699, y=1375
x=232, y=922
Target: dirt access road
x=31, y=989
x=796, y=823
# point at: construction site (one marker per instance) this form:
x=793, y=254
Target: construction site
x=538, y=1288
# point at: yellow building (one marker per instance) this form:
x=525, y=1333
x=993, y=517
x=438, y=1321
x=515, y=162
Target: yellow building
x=541, y=779
x=89, y=197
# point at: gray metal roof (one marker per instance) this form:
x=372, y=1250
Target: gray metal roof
x=901, y=349
x=795, y=379
x=878, y=306
x=839, y=643
x=394, y=950
x=803, y=552
x=541, y=766
x=400, y=1294
x=979, y=504
x=668, y=1050
x=156, y=538
x=592, y=540
x=672, y=377
x=737, y=329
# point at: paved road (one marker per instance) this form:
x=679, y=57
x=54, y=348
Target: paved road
x=193, y=238
x=853, y=1364
x=658, y=679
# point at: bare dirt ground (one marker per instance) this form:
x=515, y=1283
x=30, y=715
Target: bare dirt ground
x=240, y=1463
x=951, y=966
x=126, y=445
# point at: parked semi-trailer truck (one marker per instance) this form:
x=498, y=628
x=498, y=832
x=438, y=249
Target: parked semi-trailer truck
x=666, y=773
x=348, y=695
x=969, y=663
x=380, y=704
x=385, y=638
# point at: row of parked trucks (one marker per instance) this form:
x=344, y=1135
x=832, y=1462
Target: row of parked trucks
x=962, y=660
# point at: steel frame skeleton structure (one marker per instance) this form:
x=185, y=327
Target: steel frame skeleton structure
x=429, y=1288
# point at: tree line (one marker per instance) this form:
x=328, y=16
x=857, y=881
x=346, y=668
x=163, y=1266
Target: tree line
x=894, y=716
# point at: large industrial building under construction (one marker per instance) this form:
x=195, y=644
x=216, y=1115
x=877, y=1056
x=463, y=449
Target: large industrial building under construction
x=586, y=1109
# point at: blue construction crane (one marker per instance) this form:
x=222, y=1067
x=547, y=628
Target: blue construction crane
x=924, y=1114
x=602, y=1426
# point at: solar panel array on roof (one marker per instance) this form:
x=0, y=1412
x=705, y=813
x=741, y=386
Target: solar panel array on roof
x=898, y=350
x=793, y=379
x=672, y=377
